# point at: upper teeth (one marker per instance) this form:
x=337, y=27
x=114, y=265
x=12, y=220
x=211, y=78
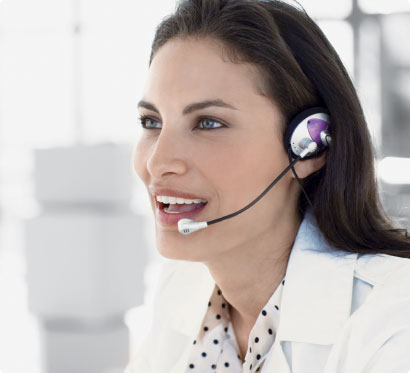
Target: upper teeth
x=174, y=200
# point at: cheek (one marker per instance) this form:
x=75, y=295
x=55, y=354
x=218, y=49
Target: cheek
x=226, y=169
x=240, y=170
x=140, y=160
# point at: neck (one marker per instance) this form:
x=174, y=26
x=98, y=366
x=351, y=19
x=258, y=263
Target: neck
x=249, y=277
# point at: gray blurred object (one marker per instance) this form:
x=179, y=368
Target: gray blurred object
x=83, y=349
x=85, y=256
x=82, y=175
x=93, y=256
x=395, y=66
x=395, y=60
x=383, y=76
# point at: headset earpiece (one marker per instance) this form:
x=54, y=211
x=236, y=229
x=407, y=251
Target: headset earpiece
x=309, y=126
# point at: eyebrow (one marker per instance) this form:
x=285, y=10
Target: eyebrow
x=191, y=107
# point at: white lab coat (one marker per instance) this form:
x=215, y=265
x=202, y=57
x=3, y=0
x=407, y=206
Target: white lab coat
x=340, y=313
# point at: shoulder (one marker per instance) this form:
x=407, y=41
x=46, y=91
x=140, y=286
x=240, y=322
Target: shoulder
x=387, y=305
x=376, y=337
x=378, y=269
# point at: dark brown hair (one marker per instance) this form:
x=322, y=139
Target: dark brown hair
x=301, y=69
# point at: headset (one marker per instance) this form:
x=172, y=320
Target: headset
x=307, y=134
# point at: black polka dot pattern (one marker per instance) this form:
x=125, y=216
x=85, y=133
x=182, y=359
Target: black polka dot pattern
x=215, y=349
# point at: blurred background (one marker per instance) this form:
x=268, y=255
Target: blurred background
x=77, y=251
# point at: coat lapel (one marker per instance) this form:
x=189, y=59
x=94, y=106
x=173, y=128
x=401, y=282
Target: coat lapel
x=316, y=299
x=191, y=289
x=189, y=292
x=317, y=296
x=276, y=362
x=182, y=362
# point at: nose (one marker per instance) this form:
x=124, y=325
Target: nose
x=168, y=156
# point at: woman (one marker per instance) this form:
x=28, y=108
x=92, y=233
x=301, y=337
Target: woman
x=311, y=278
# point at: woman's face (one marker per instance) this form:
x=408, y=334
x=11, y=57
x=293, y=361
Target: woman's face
x=226, y=154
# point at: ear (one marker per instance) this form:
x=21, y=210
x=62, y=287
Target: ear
x=306, y=167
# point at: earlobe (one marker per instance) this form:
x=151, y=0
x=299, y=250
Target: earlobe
x=306, y=167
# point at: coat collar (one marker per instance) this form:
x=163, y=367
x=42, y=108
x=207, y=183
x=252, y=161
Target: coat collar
x=316, y=299
x=317, y=296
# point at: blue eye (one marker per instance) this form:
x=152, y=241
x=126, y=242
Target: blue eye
x=204, y=123
x=209, y=124
x=148, y=123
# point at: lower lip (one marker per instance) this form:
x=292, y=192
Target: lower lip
x=172, y=219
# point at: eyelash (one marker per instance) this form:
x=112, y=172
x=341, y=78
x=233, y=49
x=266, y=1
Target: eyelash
x=143, y=118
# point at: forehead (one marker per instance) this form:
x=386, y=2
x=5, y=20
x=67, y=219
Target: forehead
x=191, y=69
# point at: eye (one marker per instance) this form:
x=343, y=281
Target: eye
x=209, y=123
x=148, y=123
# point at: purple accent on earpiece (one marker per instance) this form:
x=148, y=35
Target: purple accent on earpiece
x=315, y=127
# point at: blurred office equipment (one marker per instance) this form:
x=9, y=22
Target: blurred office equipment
x=375, y=32
x=384, y=74
x=85, y=257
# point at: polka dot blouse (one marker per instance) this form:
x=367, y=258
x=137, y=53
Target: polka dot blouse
x=216, y=349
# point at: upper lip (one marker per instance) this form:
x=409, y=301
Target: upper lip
x=163, y=191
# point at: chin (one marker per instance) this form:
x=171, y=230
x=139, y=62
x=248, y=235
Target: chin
x=176, y=246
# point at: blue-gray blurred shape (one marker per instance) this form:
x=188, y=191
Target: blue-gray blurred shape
x=86, y=256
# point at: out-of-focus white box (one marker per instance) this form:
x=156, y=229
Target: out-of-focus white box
x=85, y=350
x=85, y=264
x=98, y=174
x=139, y=320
